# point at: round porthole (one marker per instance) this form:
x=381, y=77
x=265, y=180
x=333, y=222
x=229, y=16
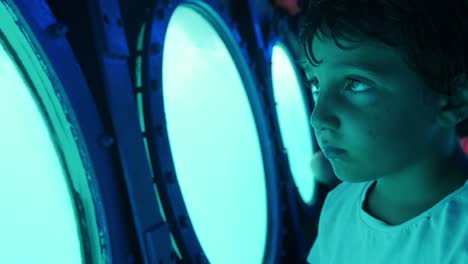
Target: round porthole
x=214, y=141
x=293, y=120
x=207, y=136
x=37, y=208
x=47, y=200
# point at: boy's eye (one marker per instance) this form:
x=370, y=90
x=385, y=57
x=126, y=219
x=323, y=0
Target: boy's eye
x=354, y=86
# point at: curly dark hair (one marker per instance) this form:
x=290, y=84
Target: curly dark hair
x=431, y=34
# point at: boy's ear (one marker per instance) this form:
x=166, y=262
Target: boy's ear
x=454, y=108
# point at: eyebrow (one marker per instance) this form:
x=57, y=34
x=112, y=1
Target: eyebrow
x=373, y=68
x=366, y=66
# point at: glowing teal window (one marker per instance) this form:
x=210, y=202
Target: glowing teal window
x=293, y=120
x=214, y=141
x=38, y=223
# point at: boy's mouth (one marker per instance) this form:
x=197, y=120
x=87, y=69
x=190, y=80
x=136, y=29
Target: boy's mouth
x=332, y=152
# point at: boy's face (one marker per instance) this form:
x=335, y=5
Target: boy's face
x=372, y=105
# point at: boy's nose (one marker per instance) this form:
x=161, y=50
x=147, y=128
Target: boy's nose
x=323, y=118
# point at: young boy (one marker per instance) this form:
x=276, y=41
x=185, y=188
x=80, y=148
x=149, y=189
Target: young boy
x=389, y=79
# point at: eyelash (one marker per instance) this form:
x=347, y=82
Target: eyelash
x=314, y=82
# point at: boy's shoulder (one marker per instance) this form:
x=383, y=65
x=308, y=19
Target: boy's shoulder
x=344, y=195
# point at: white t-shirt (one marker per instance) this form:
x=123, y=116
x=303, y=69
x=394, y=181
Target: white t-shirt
x=349, y=235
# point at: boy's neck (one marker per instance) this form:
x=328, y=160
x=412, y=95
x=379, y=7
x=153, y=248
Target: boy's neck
x=426, y=190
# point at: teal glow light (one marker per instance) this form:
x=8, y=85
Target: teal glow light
x=214, y=141
x=38, y=223
x=293, y=121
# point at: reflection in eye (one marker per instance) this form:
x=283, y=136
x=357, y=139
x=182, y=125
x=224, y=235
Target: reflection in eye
x=313, y=85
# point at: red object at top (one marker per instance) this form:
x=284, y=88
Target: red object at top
x=464, y=144
x=290, y=6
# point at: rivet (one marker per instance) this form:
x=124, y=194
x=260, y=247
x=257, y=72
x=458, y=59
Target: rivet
x=138, y=89
x=166, y=3
x=58, y=29
x=221, y=6
x=242, y=44
x=106, y=141
x=119, y=22
x=106, y=19
x=159, y=14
